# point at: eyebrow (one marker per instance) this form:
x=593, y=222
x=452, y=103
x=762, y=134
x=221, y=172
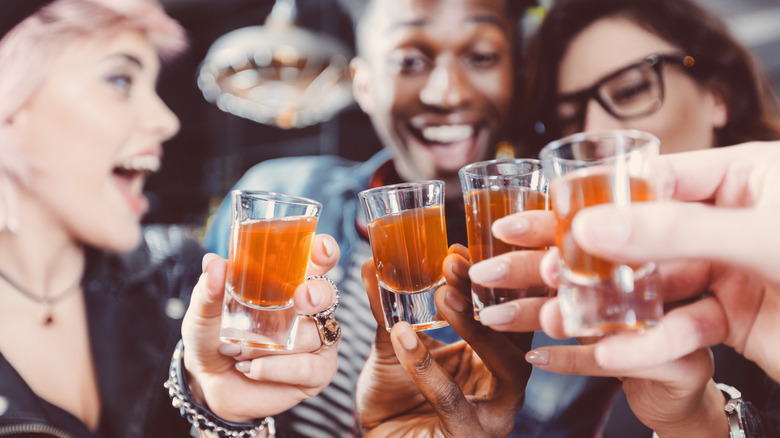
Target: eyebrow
x=479, y=19
x=127, y=57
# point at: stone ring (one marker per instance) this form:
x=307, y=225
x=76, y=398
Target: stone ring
x=327, y=326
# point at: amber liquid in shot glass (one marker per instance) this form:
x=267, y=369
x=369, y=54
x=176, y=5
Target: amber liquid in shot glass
x=577, y=191
x=483, y=207
x=409, y=249
x=273, y=260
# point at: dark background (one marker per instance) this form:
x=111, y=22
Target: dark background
x=213, y=149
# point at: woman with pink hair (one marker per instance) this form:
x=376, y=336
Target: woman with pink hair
x=92, y=305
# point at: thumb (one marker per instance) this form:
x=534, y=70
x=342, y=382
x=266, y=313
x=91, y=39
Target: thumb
x=208, y=293
x=202, y=321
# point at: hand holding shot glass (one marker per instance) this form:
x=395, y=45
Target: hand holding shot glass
x=491, y=190
x=599, y=296
x=408, y=237
x=270, y=243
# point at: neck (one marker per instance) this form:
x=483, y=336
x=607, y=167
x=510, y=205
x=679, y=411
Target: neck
x=43, y=263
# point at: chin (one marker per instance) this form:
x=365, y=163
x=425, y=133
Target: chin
x=116, y=241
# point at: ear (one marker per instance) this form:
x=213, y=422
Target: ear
x=361, y=84
x=719, y=115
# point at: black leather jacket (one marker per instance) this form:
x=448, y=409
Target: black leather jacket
x=134, y=305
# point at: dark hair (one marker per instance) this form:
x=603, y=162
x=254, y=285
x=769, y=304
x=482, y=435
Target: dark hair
x=721, y=62
x=356, y=9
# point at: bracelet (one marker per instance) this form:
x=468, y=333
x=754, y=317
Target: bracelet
x=744, y=421
x=200, y=416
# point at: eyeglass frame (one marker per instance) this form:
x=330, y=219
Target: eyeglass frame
x=656, y=62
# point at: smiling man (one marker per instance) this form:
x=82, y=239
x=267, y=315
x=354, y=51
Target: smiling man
x=437, y=79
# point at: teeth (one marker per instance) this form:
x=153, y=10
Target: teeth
x=148, y=163
x=447, y=133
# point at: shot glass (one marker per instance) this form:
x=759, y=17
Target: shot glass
x=270, y=242
x=408, y=236
x=491, y=190
x=599, y=296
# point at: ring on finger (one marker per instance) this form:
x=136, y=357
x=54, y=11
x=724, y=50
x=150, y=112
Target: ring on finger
x=327, y=326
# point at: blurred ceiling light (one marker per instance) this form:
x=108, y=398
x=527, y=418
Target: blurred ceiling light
x=278, y=74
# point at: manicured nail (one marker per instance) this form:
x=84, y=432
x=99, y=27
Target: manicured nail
x=499, y=314
x=455, y=301
x=460, y=269
x=605, y=228
x=408, y=338
x=230, y=349
x=315, y=296
x=489, y=270
x=538, y=357
x=510, y=226
x=206, y=260
x=243, y=367
x=328, y=247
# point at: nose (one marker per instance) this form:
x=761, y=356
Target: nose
x=160, y=120
x=598, y=119
x=446, y=86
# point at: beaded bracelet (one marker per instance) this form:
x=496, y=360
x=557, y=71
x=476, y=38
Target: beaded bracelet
x=200, y=416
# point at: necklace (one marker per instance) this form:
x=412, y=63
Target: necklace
x=46, y=302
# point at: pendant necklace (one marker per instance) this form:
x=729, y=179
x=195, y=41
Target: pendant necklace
x=46, y=302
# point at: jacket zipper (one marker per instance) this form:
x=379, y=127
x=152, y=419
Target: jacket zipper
x=15, y=429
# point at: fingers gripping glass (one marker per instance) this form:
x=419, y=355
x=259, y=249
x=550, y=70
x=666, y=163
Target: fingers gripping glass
x=633, y=91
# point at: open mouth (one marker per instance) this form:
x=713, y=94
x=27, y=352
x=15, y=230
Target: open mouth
x=130, y=175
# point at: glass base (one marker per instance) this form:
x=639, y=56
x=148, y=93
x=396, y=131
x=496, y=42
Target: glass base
x=418, y=308
x=486, y=296
x=255, y=327
x=601, y=308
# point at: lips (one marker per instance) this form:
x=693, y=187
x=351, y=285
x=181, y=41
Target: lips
x=130, y=175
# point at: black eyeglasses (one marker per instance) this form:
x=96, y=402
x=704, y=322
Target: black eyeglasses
x=633, y=91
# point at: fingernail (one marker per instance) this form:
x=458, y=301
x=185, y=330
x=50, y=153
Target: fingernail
x=510, y=226
x=408, y=338
x=327, y=246
x=499, y=314
x=243, y=367
x=605, y=228
x=538, y=357
x=489, y=270
x=455, y=301
x=603, y=359
x=230, y=349
x=315, y=296
x=460, y=269
x=206, y=260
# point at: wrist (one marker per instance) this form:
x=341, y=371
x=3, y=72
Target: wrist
x=200, y=416
x=708, y=420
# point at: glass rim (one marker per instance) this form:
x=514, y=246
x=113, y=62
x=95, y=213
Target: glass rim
x=468, y=169
x=580, y=137
x=400, y=186
x=277, y=197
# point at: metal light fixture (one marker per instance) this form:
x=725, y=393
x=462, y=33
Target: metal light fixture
x=277, y=74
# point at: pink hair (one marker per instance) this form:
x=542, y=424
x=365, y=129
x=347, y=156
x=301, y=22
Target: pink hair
x=27, y=50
